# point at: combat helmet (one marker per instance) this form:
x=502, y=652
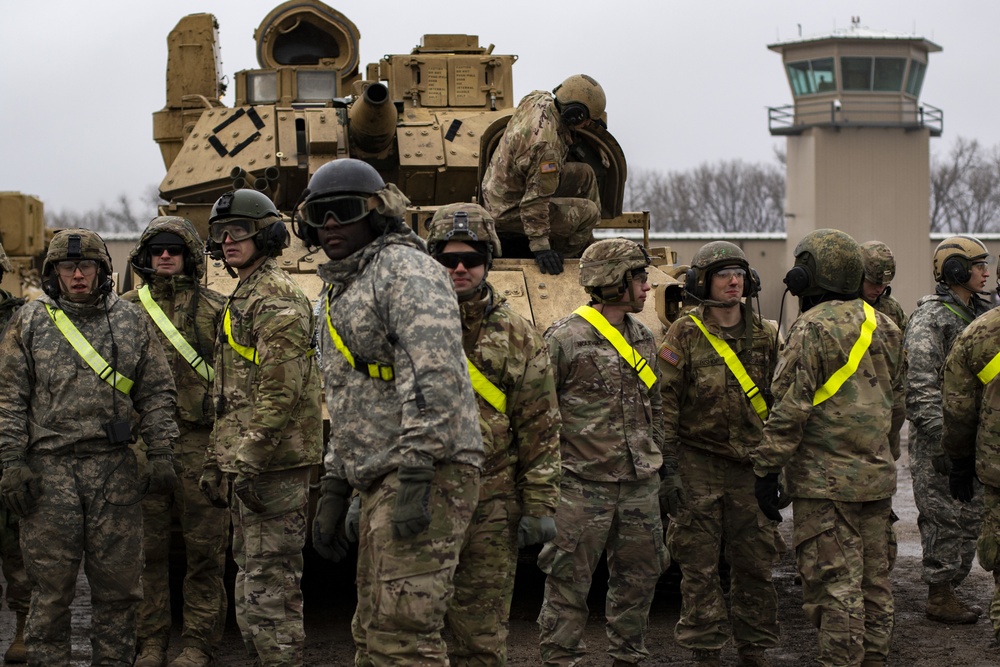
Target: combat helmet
x=954, y=257
x=245, y=214
x=466, y=222
x=580, y=97
x=606, y=269
x=161, y=226
x=75, y=244
x=826, y=260
x=879, y=264
x=710, y=258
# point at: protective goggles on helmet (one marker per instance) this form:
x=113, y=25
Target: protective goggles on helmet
x=451, y=260
x=237, y=230
x=345, y=210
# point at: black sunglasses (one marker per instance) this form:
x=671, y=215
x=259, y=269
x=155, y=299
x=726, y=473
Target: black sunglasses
x=172, y=249
x=451, y=260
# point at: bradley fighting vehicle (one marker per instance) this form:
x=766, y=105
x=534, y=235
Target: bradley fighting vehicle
x=23, y=235
x=427, y=120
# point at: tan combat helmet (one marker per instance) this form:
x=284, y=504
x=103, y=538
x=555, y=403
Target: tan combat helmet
x=879, y=264
x=580, y=97
x=954, y=257
x=470, y=223
x=76, y=244
x=606, y=269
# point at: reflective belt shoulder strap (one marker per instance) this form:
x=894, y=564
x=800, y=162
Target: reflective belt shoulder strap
x=736, y=368
x=180, y=344
x=372, y=368
x=962, y=315
x=248, y=353
x=489, y=391
x=627, y=352
x=861, y=345
x=990, y=371
x=87, y=351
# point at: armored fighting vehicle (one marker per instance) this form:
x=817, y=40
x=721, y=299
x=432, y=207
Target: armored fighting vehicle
x=427, y=120
x=22, y=233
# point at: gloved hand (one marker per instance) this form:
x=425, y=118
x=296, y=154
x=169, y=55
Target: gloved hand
x=211, y=487
x=327, y=540
x=20, y=488
x=245, y=488
x=162, y=476
x=963, y=472
x=535, y=530
x=411, y=514
x=767, y=490
x=549, y=261
x=352, y=524
x=671, y=497
x=942, y=464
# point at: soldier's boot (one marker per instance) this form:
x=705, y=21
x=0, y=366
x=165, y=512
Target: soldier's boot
x=944, y=607
x=192, y=656
x=15, y=652
x=873, y=661
x=707, y=657
x=152, y=654
x=752, y=656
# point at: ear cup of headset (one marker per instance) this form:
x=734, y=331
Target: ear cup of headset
x=798, y=280
x=751, y=286
x=272, y=239
x=574, y=113
x=691, y=285
x=956, y=270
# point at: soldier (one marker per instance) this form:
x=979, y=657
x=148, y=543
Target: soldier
x=519, y=420
x=715, y=368
x=530, y=188
x=81, y=372
x=948, y=528
x=406, y=433
x=880, y=269
x=268, y=424
x=834, y=429
x=609, y=398
x=970, y=435
x=18, y=586
x=170, y=260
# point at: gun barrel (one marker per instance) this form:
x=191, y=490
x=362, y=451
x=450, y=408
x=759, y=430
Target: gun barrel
x=373, y=120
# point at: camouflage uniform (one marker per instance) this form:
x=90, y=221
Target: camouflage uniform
x=196, y=312
x=391, y=303
x=887, y=305
x=972, y=428
x=530, y=188
x=711, y=425
x=839, y=467
x=53, y=408
x=269, y=424
x=520, y=476
x=611, y=456
x=948, y=528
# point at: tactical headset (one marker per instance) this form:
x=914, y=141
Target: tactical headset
x=74, y=250
x=696, y=280
x=573, y=113
x=957, y=270
x=799, y=278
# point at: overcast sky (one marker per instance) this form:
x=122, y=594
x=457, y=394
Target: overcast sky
x=687, y=82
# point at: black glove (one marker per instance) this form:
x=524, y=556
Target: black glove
x=245, y=489
x=670, y=494
x=549, y=261
x=20, y=488
x=162, y=476
x=327, y=540
x=963, y=472
x=942, y=464
x=211, y=487
x=411, y=514
x=535, y=530
x=767, y=489
x=352, y=524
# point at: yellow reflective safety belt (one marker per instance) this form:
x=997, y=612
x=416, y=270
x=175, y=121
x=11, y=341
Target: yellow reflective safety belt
x=180, y=344
x=248, y=353
x=489, y=391
x=861, y=345
x=372, y=368
x=990, y=371
x=737, y=369
x=627, y=352
x=87, y=351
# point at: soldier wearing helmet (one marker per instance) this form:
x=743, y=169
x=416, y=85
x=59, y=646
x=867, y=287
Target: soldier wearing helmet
x=948, y=528
x=170, y=261
x=834, y=431
x=715, y=367
x=268, y=423
x=405, y=432
x=880, y=269
x=609, y=400
x=530, y=188
x=82, y=375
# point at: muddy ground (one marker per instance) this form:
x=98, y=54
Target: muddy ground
x=916, y=642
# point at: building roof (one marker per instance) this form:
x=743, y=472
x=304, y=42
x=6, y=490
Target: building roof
x=856, y=32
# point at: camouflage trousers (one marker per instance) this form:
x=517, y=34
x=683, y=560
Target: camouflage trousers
x=988, y=549
x=624, y=518
x=948, y=528
x=720, y=507
x=205, y=530
x=89, y=510
x=268, y=552
x=841, y=550
x=405, y=585
x=479, y=612
x=18, y=585
x=574, y=211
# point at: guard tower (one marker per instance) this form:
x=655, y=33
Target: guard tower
x=858, y=145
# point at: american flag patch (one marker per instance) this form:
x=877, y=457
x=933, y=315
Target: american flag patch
x=549, y=168
x=669, y=356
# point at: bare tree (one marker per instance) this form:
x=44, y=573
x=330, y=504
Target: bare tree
x=965, y=189
x=125, y=217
